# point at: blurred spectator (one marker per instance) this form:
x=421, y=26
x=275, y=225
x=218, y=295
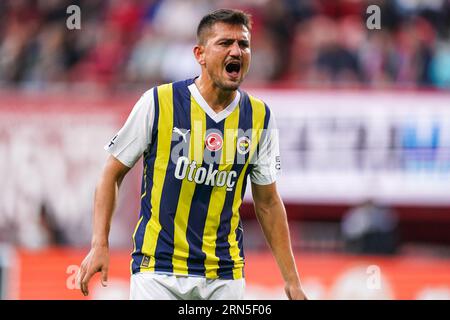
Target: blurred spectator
x=370, y=228
x=440, y=65
x=53, y=234
x=38, y=232
x=309, y=42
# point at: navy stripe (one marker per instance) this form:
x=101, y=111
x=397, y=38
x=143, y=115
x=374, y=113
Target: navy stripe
x=145, y=212
x=226, y=264
x=172, y=186
x=264, y=133
x=199, y=210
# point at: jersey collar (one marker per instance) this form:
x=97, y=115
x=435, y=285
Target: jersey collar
x=216, y=117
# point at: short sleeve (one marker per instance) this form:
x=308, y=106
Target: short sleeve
x=267, y=162
x=133, y=138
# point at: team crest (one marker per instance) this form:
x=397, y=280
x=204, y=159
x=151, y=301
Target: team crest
x=243, y=145
x=214, y=141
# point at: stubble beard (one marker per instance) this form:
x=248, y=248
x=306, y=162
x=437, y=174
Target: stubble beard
x=226, y=85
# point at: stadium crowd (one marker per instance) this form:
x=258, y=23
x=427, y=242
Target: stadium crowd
x=311, y=43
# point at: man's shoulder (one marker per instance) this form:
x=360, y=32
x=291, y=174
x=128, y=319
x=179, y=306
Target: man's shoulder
x=180, y=83
x=149, y=92
x=255, y=101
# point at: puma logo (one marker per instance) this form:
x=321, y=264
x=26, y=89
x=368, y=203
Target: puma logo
x=178, y=131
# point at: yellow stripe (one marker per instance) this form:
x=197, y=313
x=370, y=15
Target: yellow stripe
x=258, y=114
x=197, y=138
x=165, y=127
x=218, y=195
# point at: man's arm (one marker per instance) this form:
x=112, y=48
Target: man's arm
x=271, y=215
x=106, y=192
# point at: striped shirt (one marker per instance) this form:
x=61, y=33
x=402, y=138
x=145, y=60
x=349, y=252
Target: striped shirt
x=196, y=164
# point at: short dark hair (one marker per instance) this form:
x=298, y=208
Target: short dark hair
x=230, y=16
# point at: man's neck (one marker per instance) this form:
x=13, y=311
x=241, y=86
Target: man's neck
x=216, y=98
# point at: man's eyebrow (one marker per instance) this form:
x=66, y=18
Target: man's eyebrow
x=225, y=39
x=232, y=40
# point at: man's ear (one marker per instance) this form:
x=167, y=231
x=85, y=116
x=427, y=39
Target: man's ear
x=199, y=54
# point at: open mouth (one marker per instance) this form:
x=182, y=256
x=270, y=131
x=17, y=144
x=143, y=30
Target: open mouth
x=233, y=68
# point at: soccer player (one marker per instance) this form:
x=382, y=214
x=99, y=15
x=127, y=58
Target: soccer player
x=200, y=138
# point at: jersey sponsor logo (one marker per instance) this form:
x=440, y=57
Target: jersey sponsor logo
x=214, y=141
x=243, y=145
x=201, y=175
x=181, y=133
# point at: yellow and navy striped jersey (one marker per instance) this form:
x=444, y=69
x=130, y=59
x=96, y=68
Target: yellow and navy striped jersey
x=196, y=164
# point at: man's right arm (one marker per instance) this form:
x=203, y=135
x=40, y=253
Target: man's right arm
x=105, y=200
x=125, y=149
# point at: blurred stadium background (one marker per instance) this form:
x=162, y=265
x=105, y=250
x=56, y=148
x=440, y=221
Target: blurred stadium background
x=364, y=119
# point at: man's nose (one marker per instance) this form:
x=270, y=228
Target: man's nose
x=235, y=50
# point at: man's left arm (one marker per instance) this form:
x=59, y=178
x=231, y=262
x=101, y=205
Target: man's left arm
x=270, y=210
x=271, y=215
